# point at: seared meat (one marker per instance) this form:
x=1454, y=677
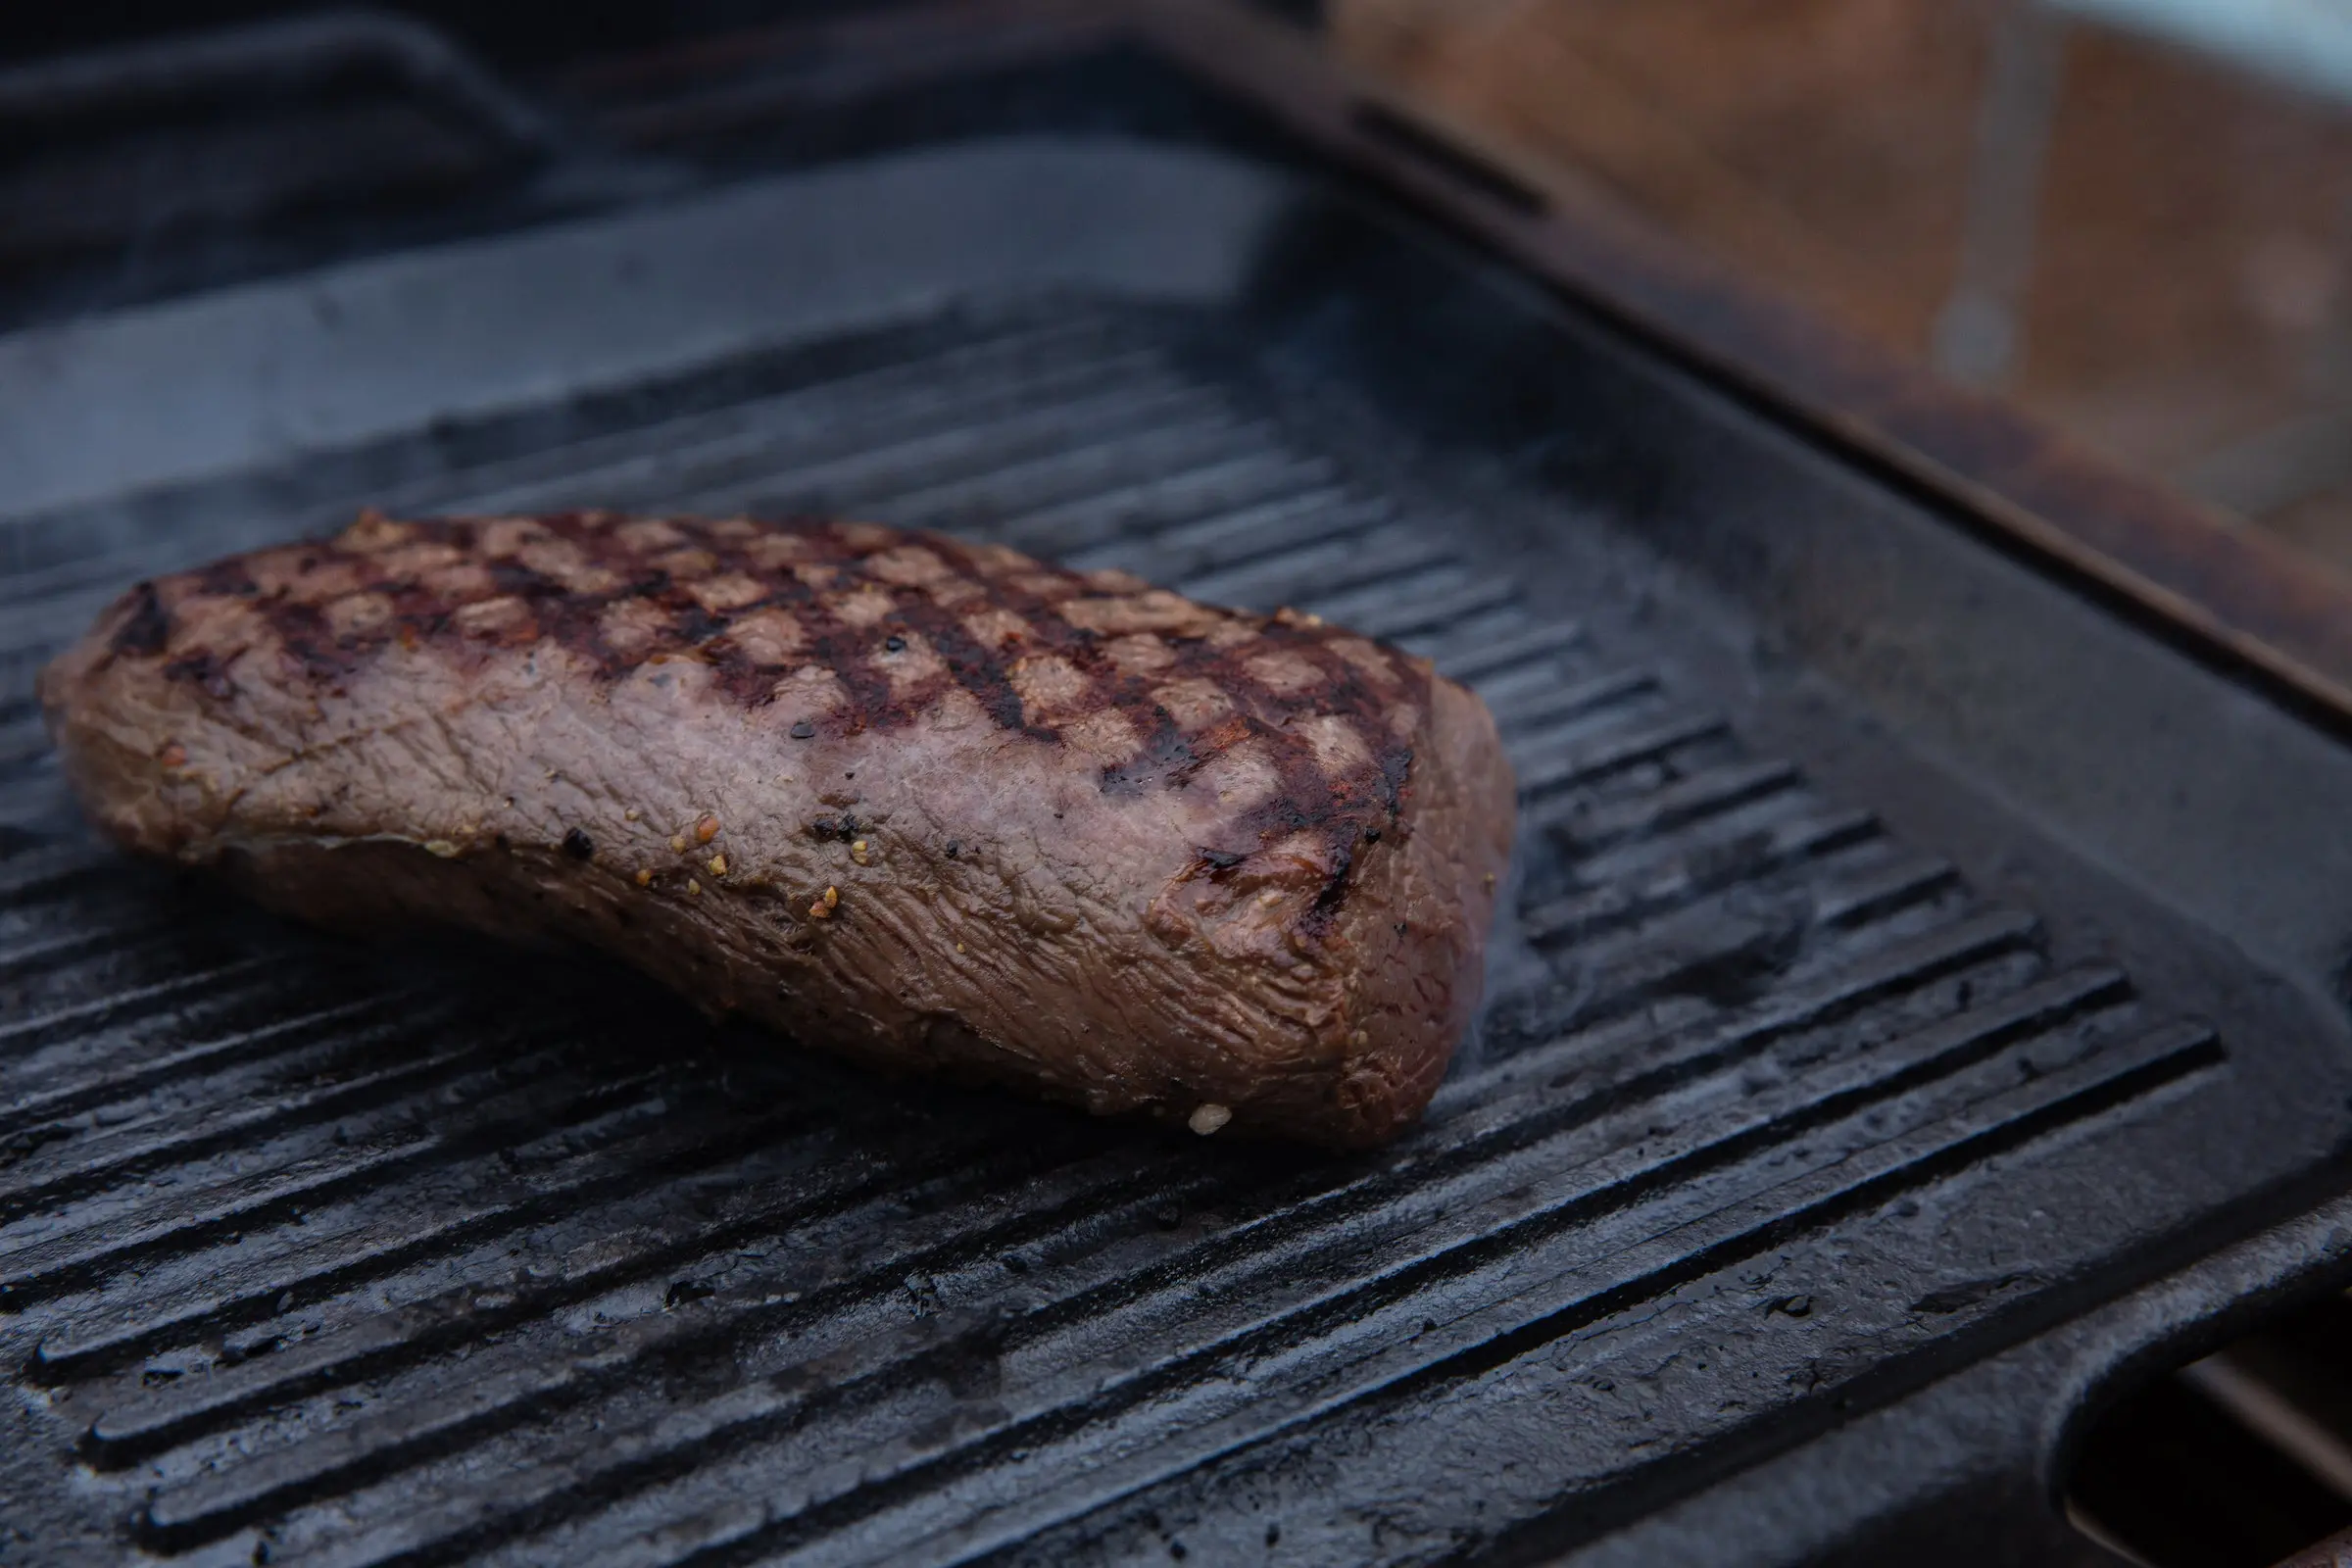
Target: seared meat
x=928, y=804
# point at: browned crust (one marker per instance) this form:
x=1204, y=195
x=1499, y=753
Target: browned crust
x=1082, y=836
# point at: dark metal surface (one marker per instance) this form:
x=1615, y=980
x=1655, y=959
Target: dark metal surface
x=1914, y=966
x=2238, y=1460
x=2333, y=1552
x=297, y=52
x=153, y=168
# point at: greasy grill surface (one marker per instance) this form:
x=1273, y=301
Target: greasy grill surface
x=310, y=1255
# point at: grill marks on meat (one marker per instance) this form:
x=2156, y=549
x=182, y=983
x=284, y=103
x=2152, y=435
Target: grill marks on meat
x=860, y=627
x=856, y=626
x=428, y=683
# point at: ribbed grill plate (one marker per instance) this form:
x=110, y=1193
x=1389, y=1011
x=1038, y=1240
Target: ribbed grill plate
x=316, y=1256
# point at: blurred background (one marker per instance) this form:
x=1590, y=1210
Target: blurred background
x=2130, y=217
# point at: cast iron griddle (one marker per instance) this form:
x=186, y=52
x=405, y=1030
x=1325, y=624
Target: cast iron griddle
x=1824, y=1074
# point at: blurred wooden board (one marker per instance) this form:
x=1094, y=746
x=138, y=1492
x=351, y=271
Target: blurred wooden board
x=2190, y=294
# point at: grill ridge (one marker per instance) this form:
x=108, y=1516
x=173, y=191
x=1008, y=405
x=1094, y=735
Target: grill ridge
x=371, y=1254
x=377, y=1344
x=115, y=1009
x=91, y=1358
x=1185, y=544
x=74, y=1088
x=141, y=1148
x=84, y=1256
x=45, y=955
x=928, y=399
x=923, y=385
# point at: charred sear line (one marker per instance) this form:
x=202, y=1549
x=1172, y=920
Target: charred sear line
x=226, y=579
x=146, y=629
x=742, y=679
x=1396, y=765
x=514, y=578
x=1167, y=757
x=1334, y=886
x=986, y=677
x=696, y=625
x=204, y=669
x=306, y=638
x=848, y=653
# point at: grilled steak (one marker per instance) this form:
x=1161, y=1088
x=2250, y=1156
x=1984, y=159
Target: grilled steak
x=928, y=804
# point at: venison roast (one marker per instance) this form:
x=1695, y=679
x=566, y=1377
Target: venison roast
x=928, y=804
